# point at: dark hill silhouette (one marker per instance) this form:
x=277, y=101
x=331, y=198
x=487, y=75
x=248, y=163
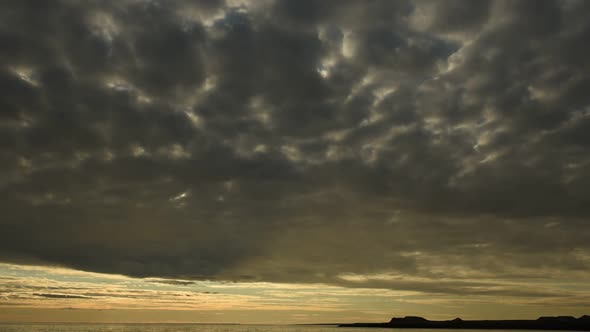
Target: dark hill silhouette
x=568, y=323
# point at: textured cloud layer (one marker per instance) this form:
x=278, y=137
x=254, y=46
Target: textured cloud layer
x=359, y=143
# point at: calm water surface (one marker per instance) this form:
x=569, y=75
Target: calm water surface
x=199, y=328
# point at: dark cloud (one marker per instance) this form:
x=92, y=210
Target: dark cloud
x=297, y=141
x=454, y=16
x=172, y=282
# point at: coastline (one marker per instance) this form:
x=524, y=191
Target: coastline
x=563, y=323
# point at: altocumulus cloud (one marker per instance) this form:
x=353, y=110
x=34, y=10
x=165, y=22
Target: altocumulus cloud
x=380, y=144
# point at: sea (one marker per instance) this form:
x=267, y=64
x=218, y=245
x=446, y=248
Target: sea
x=179, y=328
x=203, y=328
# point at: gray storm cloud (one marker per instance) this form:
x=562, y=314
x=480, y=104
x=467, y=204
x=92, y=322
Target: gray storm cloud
x=297, y=141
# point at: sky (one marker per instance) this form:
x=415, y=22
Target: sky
x=293, y=161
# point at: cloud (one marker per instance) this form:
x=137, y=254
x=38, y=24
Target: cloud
x=172, y=282
x=61, y=296
x=297, y=141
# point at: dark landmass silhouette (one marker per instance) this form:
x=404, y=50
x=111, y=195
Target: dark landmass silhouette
x=567, y=323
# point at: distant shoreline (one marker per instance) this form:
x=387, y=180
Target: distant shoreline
x=563, y=323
